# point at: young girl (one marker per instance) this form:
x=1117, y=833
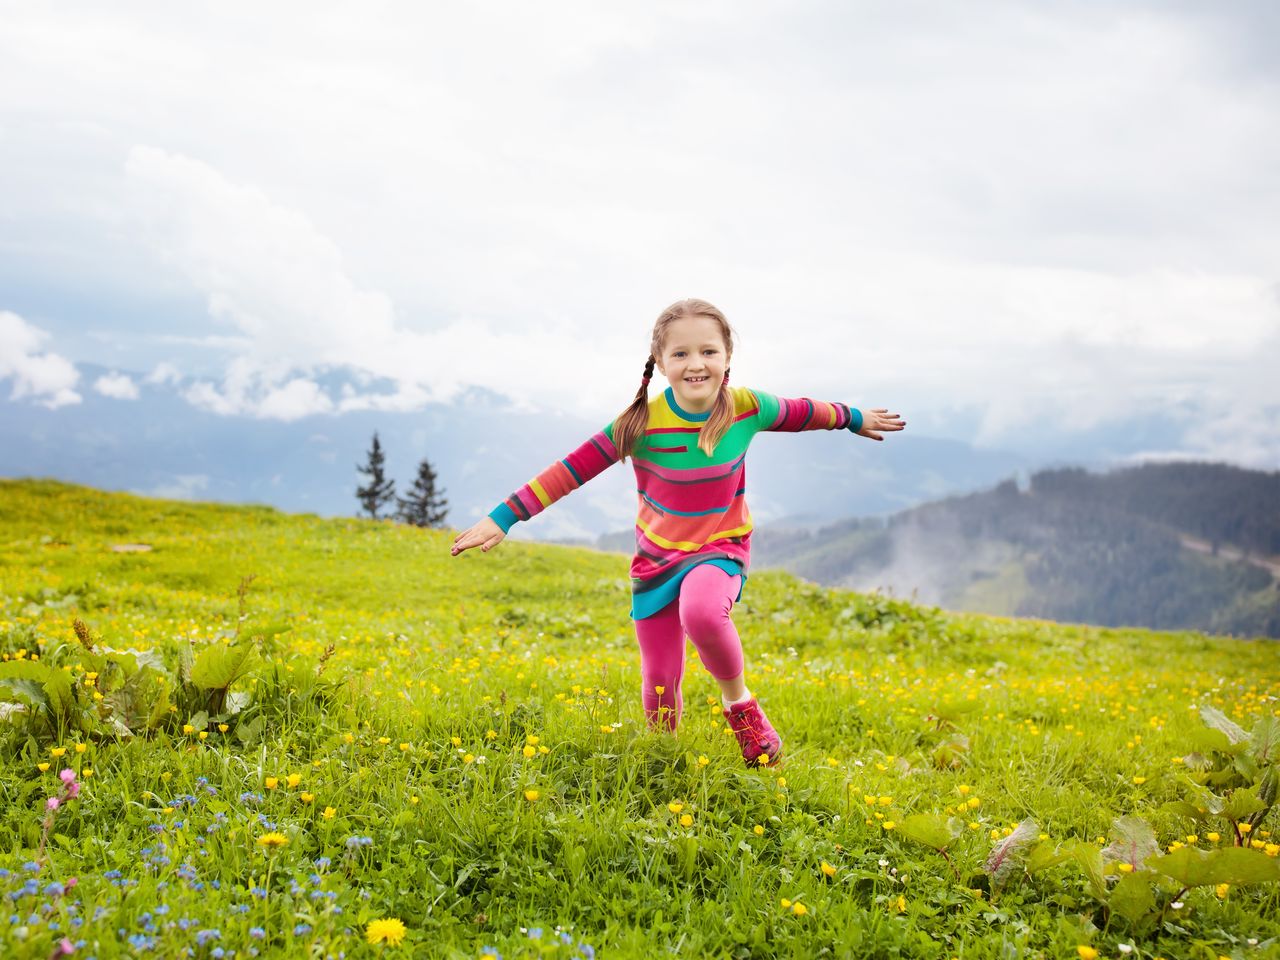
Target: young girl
x=693, y=534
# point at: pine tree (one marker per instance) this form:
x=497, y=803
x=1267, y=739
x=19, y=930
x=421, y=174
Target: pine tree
x=424, y=506
x=379, y=491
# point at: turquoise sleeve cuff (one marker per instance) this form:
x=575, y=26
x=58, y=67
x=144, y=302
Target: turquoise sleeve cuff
x=503, y=516
x=855, y=419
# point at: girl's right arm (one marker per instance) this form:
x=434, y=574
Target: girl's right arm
x=561, y=478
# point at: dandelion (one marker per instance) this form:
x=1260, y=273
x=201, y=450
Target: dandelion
x=686, y=820
x=272, y=840
x=828, y=869
x=389, y=930
x=469, y=758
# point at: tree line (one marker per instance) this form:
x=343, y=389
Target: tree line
x=423, y=506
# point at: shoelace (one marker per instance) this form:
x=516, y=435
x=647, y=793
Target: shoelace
x=750, y=726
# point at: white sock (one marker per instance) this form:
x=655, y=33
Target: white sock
x=746, y=695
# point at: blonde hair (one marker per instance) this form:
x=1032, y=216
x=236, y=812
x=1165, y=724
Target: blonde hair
x=630, y=425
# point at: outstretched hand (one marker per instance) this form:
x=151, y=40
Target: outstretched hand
x=879, y=419
x=486, y=535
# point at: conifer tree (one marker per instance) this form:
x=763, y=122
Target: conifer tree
x=380, y=490
x=424, y=506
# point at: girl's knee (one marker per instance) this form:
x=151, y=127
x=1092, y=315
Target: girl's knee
x=704, y=615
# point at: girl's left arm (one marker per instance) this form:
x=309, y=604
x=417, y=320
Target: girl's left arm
x=785, y=415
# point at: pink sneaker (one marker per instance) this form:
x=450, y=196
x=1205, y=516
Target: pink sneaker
x=761, y=745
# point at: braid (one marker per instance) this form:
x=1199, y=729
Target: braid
x=630, y=425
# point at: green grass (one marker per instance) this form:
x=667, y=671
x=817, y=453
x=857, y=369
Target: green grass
x=467, y=661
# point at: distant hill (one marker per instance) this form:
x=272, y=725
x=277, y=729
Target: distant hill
x=1165, y=546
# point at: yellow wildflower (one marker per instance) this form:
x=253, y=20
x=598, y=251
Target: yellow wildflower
x=223, y=728
x=888, y=824
x=468, y=758
x=272, y=840
x=799, y=909
x=529, y=751
x=404, y=747
x=758, y=830
x=389, y=930
x=384, y=740
x=1244, y=827
x=307, y=797
x=659, y=689
x=42, y=767
x=531, y=795
x=1087, y=953
x=828, y=869
x=703, y=760
x=1139, y=780
x=456, y=741
x=329, y=813
x=81, y=748
x=1125, y=867
x=1221, y=890
x=272, y=782
x=1213, y=837
x=686, y=820
x=188, y=729
x=57, y=751
x=675, y=806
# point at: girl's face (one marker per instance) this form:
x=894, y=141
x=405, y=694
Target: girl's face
x=694, y=360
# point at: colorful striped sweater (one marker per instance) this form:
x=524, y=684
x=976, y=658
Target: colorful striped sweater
x=693, y=508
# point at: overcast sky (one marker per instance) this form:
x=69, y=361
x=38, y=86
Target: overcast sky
x=1011, y=216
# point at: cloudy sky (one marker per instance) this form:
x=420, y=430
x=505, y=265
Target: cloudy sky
x=996, y=217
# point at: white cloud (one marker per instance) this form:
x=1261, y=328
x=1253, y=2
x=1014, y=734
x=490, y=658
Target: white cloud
x=46, y=378
x=118, y=386
x=181, y=486
x=164, y=374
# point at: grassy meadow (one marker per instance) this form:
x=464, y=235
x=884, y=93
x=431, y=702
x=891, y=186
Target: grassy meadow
x=292, y=736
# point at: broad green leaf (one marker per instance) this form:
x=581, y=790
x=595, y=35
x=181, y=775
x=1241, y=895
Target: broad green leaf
x=1009, y=853
x=1209, y=739
x=1132, y=897
x=1132, y=841
x=1089, y=859
x=1193, y=867
x=218, y=666
x=1216, y=719
x=1043, y=856
x=1185, y=809
x=1242, y=803
x=931, y=829
x=1264, y=739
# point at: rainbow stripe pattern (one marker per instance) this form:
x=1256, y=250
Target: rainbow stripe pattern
x=692, y=508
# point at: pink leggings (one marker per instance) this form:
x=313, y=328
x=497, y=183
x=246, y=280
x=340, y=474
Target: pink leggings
x=702, y=612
